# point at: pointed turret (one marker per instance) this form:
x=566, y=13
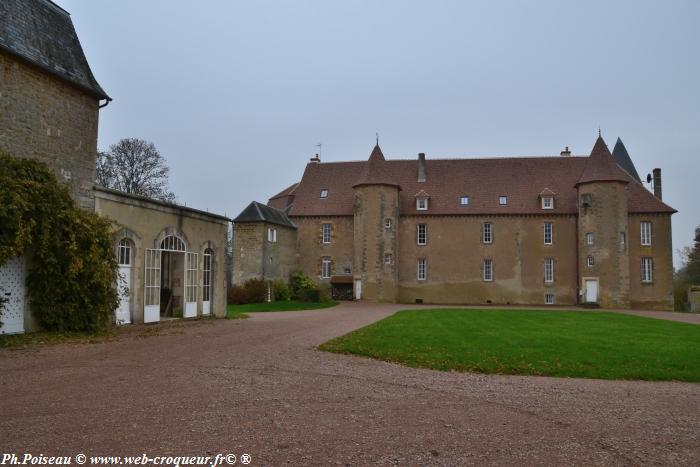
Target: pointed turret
x=376, y=171
x=623, y=160
x=601, y=167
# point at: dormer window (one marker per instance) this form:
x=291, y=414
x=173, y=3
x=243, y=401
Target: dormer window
x=422, y=204
x=503, y=200
x=464, y=201
x=547, y=202
x=324, y=194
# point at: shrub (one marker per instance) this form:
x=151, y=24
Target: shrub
x=309, y=295
x=324, y=290
x=256, y=289
x=73, y=266
x=237, y=295
x=298, y=282
x=280, y=290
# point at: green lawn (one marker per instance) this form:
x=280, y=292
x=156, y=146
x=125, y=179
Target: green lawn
x=552, y=343
x=239, y=311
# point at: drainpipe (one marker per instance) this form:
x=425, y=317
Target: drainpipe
x=107, y=101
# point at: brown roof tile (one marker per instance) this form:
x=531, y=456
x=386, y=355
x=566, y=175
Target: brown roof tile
x=521, y=179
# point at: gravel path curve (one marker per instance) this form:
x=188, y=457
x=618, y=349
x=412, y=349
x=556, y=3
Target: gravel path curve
x=258, y=386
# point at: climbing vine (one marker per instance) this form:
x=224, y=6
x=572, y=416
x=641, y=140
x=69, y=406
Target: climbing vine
x=71, y=261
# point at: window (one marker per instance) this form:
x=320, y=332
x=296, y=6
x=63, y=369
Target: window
x=388, y=258
x=487, y=233
x=589, y=238
x=488, y=270
x=549, y=270
x=324, y=194
x=547, y=202
x=272, y=235
x=590, y=262
x=549, y=299
x=422, y=234
x=387, y=223
x=647, y=269
x=645, y=228
x=464, y=200
x=124, y=252
x=548, y=233
x=326, y=228
x=172, y=243
x=623, y=240
x=422, y=204
x=422, y=269
x=502, y=200
x=325, y=267
x=206, y=275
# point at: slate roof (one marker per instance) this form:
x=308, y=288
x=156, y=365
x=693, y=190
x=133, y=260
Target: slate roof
x=624, y=160
x=258, y=212
x=42, y=33
x=521, y=179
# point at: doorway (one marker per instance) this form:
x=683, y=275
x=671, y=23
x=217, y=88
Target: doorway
x=124, y=255
x=591, y=286
x=12, y=275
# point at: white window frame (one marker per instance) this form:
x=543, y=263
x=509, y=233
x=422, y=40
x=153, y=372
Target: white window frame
x=488, y=270
x=549, y=231
x=422, y=269
x=647, y=269
x=424, y=234
x=487, y=233
x=623, y=238
x=272, y=235
x=326, y=267
x=323, y=194
x=548, y=202
x=590, y=261
x=549, y=270
x=464, y=201
x=388, y=258
x=645, y=233
x=388, y=223
x=502, y=200
x=421, y=204
x=124, y=252
x=549, y=299
x=590, y=238
x=326, y=231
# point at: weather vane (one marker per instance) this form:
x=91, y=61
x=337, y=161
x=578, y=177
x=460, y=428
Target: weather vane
x=320, y=148
x=377, y=138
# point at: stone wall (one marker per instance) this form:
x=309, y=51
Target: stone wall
x=657, y=295
x=455, y=254
x=311, y=249
x=45, y=118
x=279, y=257
x=254, y=256
x=146, y=224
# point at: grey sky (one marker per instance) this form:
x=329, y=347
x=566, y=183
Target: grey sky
x=236, y=94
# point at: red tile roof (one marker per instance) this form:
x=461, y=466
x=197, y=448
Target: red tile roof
x=521, y=179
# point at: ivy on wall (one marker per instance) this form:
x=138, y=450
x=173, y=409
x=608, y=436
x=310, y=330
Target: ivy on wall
x=72, y=267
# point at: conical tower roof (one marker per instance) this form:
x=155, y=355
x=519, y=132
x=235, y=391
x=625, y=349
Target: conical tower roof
x=376, y=171
x=624, y=160
x=601, y=167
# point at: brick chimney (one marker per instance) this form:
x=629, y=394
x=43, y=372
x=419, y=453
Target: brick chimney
x=657, y=183
x=315, y=160
x=421, y=167
x=565, y=152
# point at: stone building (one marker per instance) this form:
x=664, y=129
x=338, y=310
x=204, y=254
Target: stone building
x=560, y=230
x=171, y=258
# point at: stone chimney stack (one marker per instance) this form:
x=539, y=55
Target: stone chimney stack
x=421, y=167
x=315, y=160
x=657, y=183
x=565, y=152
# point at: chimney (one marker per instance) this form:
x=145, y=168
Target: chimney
x=315, y=160
x=657, y=183
x=421, y=167
x=565, y=152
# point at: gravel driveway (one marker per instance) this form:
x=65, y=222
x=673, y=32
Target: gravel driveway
x=257, y=386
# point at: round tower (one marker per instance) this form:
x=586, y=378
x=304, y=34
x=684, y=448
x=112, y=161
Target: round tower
x=376, y=220
x=603, y=231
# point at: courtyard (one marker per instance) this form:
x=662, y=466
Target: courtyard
x=259, y=386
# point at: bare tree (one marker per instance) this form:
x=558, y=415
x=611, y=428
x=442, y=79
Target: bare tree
x=134, y=166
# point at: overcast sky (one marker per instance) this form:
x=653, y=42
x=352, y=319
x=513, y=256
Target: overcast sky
x=236, y=94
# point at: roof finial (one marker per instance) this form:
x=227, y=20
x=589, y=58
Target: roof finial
x=377, y=138
x=599, y=132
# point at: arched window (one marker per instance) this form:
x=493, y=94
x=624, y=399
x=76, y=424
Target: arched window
x=124, y=252
x=172, y=243
x=206, y=275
